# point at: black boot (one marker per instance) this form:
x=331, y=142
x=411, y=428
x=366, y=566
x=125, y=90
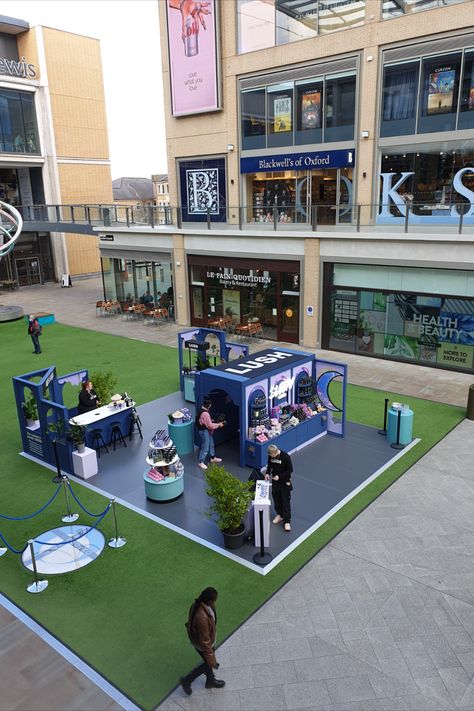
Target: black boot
x=214, y=683
x=186, y=686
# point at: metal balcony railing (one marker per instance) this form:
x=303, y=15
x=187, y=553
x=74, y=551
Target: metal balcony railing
x=410, y=217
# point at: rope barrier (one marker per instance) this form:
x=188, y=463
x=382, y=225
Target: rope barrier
x=89, y=513
x=24, y=518
x=10, y=548
x=81, y=535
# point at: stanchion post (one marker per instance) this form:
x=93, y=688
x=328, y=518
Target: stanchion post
x=70, y=517
x=397, y=445
x=262, y=558
x=58, y=478
x=384, y=431
x=36, y=586
x=116, y=542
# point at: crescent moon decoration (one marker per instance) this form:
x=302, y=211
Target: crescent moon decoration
x=322, y=387
x=11, y=224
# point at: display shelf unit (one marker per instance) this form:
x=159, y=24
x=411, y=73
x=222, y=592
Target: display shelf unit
x=169, y=488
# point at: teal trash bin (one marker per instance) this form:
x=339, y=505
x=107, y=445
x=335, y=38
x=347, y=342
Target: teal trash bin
x=406, y=425
x=182, y=435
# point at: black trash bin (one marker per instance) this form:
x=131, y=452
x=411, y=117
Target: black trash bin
x=470, y=403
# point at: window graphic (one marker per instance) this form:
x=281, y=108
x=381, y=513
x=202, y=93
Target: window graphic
x=202, y=191
x=441, y=91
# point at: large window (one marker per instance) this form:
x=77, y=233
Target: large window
x=267, y=23
x=18, y=130
x=291, y=113
x=395, y=8
x=428, y=94
x=416, y=322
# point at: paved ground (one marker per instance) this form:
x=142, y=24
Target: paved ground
x=382, y=618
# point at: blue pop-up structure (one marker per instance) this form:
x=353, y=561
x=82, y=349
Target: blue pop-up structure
x=200, y=352
x=272, y=377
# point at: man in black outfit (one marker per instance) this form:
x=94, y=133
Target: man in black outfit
x=279, y=470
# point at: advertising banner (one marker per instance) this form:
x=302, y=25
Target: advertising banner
x=203, y=188
x=441, y=90
x=282, y=114
x=192, y=46
x=310, y=109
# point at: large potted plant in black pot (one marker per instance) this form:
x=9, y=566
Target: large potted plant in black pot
x=230, y=501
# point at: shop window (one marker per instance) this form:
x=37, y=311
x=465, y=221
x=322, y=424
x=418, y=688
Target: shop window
x=400, y=88
x=466, y=116
x=309, y=107
x=394, y=8
x=253, y=119
x=198, y=275
x=280, y=114
x=340, y=15
x=340, y=108
x=439, y=94
x=18, y=132
x=295, y=21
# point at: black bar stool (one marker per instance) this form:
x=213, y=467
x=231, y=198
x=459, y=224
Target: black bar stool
x=135, y=424
x=116, y=435
x=97, y=441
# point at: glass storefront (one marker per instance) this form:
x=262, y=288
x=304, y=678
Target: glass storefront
x=437, y=179
x=428, y=94
x=129, y=280
x=18, y=128
x=31, y=262
x=268, y=23
x=411, y=321
x=246, y=291
x=321, y=196
x=301, y=112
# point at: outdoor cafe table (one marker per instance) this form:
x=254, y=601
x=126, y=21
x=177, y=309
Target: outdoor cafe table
x=102, y=418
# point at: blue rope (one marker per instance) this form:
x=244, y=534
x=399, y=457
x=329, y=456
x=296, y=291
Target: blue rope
x=83, y=507
x=23, y=518
x=81, y=535
x=13, y=550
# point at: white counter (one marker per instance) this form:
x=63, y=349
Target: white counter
x=89, y=418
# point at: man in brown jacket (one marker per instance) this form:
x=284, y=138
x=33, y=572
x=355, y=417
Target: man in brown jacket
x=201, y=627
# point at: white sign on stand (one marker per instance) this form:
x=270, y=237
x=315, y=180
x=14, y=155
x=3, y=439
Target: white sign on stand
x=262, y=503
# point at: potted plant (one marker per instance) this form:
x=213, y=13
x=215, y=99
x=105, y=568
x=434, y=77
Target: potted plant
x=78, y=435
x=104, y=385
x=31, y=411
x=231, y=499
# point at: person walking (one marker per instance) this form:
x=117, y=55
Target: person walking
x=279, y=471
x=34, y=330
x=201, y=628
x=206, y=428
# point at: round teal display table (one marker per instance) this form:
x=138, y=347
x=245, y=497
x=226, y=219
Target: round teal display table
x=406, y=425
x=167, y=489
x=182, y=435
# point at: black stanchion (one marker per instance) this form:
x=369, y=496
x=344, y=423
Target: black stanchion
x=263, y=557
x=397, y=445
x=59, y=477
x=384, y=431
x=36, y=586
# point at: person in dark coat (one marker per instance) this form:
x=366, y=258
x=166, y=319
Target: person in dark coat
x=201, y=627
x=279, y=471
x=34, y=330
x=88, y=399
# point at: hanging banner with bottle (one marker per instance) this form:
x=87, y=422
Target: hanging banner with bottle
x=193, y=56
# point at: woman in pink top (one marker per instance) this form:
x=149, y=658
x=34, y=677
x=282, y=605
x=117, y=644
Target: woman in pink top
x=206, y=429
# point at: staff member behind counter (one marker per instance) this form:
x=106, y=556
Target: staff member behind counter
x=88, y=399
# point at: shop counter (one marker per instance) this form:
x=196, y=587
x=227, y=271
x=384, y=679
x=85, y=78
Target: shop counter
x=101, y=418
x=167, y=489
x=256, y=454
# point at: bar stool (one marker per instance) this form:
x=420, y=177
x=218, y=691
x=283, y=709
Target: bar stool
x=135, y=424
x=116, y=435
x=97, y=441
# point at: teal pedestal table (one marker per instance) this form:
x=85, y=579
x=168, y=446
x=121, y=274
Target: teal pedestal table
x=406, y=425
x=182, y=435
x=167, y=489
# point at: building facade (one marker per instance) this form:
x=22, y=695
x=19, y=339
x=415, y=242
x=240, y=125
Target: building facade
x=53, y=143
x=326, y=190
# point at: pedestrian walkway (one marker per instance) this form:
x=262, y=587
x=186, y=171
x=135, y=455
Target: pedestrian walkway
x=382, y=618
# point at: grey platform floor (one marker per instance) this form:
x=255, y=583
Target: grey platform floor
x=325, y=473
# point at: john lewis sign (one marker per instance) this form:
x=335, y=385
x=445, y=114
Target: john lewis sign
x=443, y=214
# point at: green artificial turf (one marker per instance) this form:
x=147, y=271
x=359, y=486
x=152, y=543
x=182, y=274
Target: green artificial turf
x=125, y=613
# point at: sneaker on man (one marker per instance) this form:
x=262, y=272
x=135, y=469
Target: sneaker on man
x=287, y=527
x=215, y=460
x=277, y=519
x=202, y=465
